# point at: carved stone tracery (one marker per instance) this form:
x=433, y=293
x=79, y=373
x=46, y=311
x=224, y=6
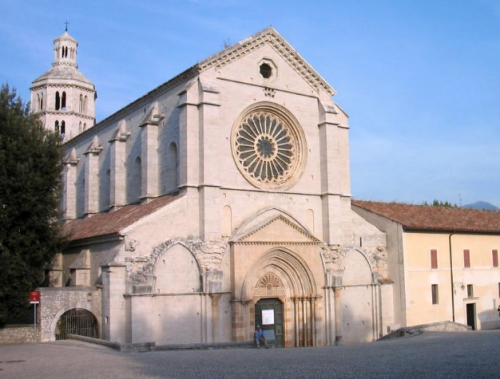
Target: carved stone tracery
x=269, y=285
x=268, y=146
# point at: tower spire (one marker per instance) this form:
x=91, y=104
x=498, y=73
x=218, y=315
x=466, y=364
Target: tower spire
x=66, y=25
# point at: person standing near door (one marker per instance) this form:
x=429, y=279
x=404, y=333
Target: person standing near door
x=260, y=338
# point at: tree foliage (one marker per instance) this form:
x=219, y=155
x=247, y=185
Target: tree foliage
x=438, y=203
x=30, y=178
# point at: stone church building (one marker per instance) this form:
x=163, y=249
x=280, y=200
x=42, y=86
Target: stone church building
x=216, y=202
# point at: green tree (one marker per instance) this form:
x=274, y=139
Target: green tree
x=438, y=203
x=30, y=178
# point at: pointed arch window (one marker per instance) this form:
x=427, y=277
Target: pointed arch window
x=63, y=101
x=80, y=127
x=63, y=128
x=58, y=101
x=56, y=127
x=80, y=108
x=84, y=126
x=85, y=104
x=41, y=101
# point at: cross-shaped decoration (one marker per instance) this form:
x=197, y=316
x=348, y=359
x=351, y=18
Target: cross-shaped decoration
x=66, y=25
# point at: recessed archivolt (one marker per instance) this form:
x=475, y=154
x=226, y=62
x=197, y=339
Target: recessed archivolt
x=292, y=269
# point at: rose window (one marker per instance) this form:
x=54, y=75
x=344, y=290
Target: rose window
x=267, y=148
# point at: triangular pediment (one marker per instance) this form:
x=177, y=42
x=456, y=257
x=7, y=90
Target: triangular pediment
x=270, y=37
x=279, y=229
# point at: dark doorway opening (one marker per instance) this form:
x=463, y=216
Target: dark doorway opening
x=471, y=316
x=269, y=315
x=77, y=321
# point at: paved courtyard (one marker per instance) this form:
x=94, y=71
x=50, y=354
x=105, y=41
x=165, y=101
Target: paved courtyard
x=436, y=355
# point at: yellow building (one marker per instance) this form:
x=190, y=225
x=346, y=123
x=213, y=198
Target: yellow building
x=443, y=261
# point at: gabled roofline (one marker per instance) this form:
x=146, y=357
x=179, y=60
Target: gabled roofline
x=220, y=59
x=282, y=47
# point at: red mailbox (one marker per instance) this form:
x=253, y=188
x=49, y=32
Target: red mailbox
x=34, y=297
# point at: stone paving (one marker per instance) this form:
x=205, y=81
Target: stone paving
x=436, y=355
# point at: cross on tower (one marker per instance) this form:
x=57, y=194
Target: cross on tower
x=66, y=25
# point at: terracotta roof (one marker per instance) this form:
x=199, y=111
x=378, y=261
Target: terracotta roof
x=107, y=223
x=421, y=217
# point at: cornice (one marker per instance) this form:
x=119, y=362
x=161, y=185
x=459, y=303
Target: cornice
x=95, y=240
x=289, y=223
x=59, y=113
x=65, y=85
x=137, y=104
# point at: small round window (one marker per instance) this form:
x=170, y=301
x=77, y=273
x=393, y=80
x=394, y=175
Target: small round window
x=266, y=70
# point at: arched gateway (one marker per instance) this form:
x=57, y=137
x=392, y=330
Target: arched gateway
x=77, y=321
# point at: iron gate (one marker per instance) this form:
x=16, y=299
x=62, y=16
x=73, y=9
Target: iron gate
x=77, y=321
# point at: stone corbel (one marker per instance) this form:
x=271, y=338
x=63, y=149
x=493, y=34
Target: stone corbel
x=213, y=280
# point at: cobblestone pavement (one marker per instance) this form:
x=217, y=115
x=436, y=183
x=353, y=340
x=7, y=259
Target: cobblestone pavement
x=436, y=355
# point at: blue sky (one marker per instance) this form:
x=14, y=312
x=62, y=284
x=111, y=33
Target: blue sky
x=420, y=80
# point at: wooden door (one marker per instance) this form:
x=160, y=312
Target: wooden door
x=269, y=315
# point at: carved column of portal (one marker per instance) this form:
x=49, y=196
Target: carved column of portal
x=338, y=316
x=313, y=320
x=296, y=320
x=215, y=316
x=304, y=320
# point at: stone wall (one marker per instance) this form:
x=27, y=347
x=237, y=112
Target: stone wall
x=54, y=302
x=18, y=334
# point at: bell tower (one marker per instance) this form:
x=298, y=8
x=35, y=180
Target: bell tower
x=63, y=97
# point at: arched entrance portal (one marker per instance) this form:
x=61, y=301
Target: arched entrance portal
x=281, y=283
x=77, y=321
x=269, y=315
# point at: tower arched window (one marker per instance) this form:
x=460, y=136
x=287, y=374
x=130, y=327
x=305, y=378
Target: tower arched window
x=84, y=126
x=63, y=102
x=63, y=128
x=58, y=101
x=80, y=107
x=85, y=104
x=80, y=127
x=38, y=102
x=41, y=101
x=56, y=127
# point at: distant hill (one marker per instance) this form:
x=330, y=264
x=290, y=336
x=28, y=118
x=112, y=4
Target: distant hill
x=482, y=205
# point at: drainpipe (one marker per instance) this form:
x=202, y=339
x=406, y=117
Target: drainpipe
x=451, y=276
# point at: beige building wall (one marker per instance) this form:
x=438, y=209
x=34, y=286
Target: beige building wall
x=481, y=275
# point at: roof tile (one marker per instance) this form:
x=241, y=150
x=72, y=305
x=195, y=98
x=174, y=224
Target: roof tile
x=106, y=223
x=423, y=217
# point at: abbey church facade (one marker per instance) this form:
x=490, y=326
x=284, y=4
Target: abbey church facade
x=216, y=202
